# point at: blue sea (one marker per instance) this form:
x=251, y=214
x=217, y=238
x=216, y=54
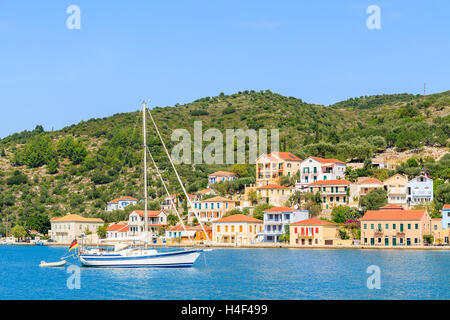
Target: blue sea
x=234, y=274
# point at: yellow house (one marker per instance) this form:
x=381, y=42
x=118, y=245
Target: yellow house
x=397, y=189
x=313, y=232
x=210, y=209
x=274, y=194
x=440, y=236
x=236, y=229
x=270, y=167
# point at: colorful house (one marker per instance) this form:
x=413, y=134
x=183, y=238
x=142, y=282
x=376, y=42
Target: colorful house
x=121, y=203
x=199, y=195
x=314, y=169
x=275, y=221
x=220, y=176
x=210, y=209
x=440, y=235
x=117, y=231
x=196, y=233
x=361, y=188
x=420, y=191
x=397, y=189
x=446, y=217
x=66, y=229
x=333, y=192
x=394, y=226
x=236, y=229
x=178, y=200
x=274, y=194
x=157, y=220
x=270, y=167
x=313, y=232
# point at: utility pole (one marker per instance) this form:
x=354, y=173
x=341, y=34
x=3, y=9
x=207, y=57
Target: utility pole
x=424, y=88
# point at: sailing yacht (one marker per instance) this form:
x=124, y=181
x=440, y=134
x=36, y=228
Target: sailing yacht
x=130, y=257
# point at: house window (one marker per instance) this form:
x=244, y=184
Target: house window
x=232, y=228
x=416, y=226
x=240, y=228
x=371, y=226
x=317, y=230
x=409, y=226
x=365, y=225
x=295, y=230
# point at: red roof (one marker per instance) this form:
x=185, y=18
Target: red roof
x=272, y=186
x=204, y=191
x=33, y=232
x=189, y=228
x=313, y=221
x=322, y=160
x=391, y=207
x=126, y=198
x=286, y=156
x=238, y=218
x=222, y=173
x=330, y=182
x=279, y=209
x=371, y=180
x=394, y=215
x=150, y=213
x=126, y=229
x=446, y=206
x=116, y=227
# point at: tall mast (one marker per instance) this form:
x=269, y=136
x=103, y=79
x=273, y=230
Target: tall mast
x=144, y=107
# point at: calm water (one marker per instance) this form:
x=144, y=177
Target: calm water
x=235, y=274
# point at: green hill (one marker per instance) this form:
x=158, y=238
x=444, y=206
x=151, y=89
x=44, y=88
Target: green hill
x=79, y=168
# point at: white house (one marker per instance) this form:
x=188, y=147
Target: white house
x=156, y=220
x=420, y=190
x=314, y=169
x=121, y=203
x=275, y=220
x=117, y=231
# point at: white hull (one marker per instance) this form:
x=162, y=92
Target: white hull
x=53, y=264
x=177, y=259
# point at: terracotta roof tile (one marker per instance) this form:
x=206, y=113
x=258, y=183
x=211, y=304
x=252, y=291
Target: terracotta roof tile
x=279, y=209
x=313, y=222
x=322, y=160
x=331, y=182
x=222, y=173
x=238, y=218
x=371, y=180
x=394, y=215
x=272, y=186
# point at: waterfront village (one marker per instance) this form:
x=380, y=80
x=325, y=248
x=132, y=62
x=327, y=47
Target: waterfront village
x=319, y=210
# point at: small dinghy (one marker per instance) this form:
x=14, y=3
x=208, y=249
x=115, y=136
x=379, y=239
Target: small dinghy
x=53, y=264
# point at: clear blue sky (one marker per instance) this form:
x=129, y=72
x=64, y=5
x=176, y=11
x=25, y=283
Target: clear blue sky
x=179, y=51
